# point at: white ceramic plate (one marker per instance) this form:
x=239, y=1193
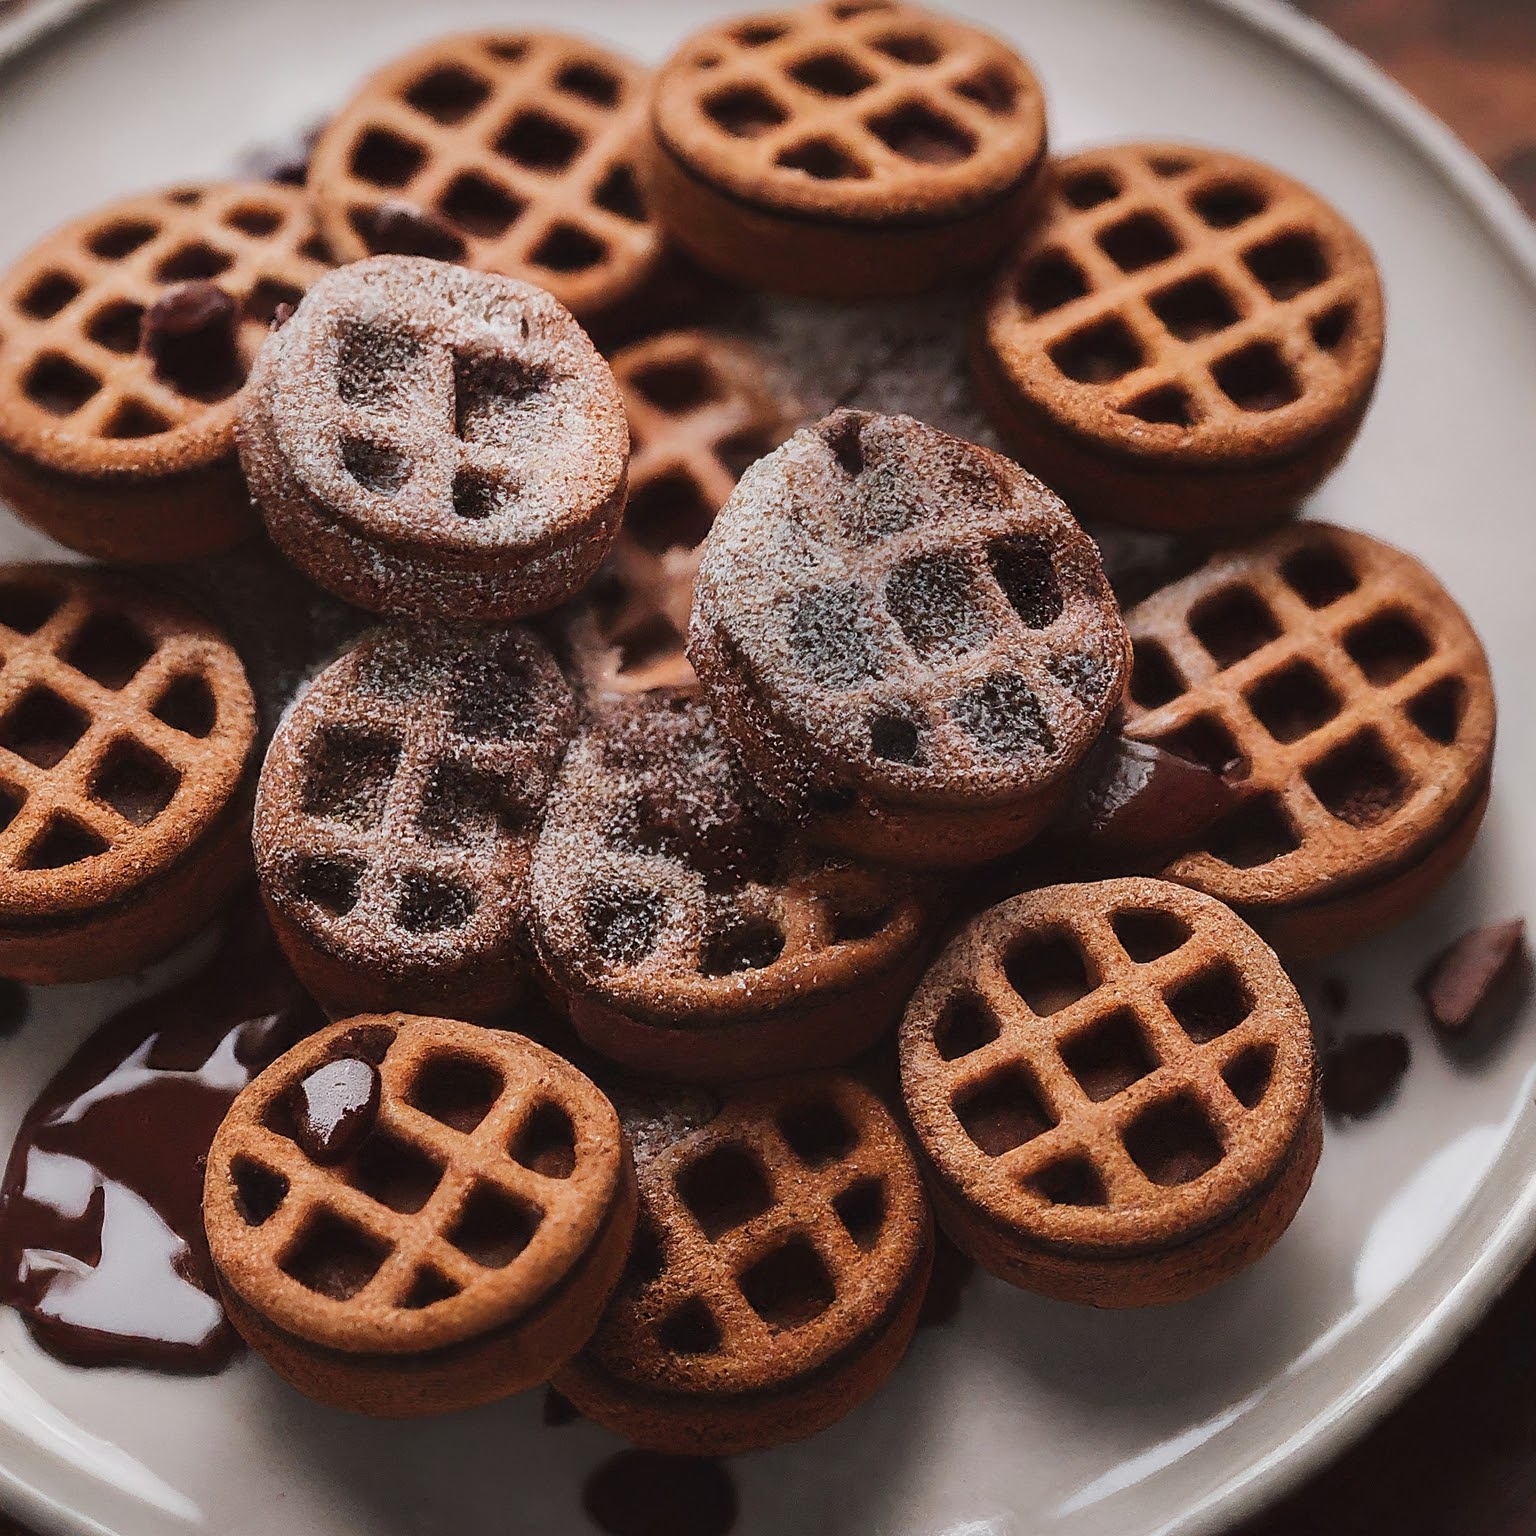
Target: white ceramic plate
x=1024, y=1416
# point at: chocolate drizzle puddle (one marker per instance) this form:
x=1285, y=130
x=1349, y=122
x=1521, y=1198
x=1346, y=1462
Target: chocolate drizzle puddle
x=101, y=1231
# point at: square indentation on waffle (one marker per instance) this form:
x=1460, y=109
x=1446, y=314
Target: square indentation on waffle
x=854, y=103
x=770, y=1235
x=1191, y=290
x=71, y=312
x=701, y=409
x=516, y=149
x=1335, y=684
x=125, y=726
x=485, y=1175
x=1109, y=1052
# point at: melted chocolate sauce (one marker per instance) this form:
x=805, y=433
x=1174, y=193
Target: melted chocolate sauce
x=101, y=1230
x=643, y=1493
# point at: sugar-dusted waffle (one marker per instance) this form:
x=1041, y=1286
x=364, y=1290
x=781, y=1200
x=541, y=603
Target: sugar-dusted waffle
x=431, y=442
x=462, y=1246
x=781, y=1256
x=701, y=408
x=512, y=152
x=396, y=815
x=692, y=933
x=844, y=150
x=908, y=637
x=1185, y=340
x=125, y=338
x=127, y=733
x=1341, y=691
x=1115, y=1091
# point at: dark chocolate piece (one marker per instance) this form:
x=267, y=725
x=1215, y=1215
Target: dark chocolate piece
x=1472, y=979
x=334, y=1109
x=1361, y=1073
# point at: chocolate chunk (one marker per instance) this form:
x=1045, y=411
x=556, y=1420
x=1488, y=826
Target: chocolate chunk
x=396, y=228
x=1474, y=978
x=334, y=1109
x=189, y=333
x=1361, y=1073
x=1136, y=804
x=558, y=1411
x=642, y=1493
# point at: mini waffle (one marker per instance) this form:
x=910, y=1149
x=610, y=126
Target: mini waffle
x=845, y=150
x=514, y=151
x=431, y=442
x=694, y=936
x=1185, y=340
x=396, y=816
x=907, y=635
x=1115, y=1089
x=781, y=1257
x=127, y=729
x=699, y=413
x=1345, y=695
x=460, y=1253
x=101, y=446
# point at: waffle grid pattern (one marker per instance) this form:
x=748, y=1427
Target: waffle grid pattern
x=1113, y=1064
x=443, y=1223
x=699, y=414
x=70, y=313
x=1344, y=685
x=769, y=1238
x=1188, y=299
x=124, y=728
x=398, y=823
x=870, y=107
x=522, y=142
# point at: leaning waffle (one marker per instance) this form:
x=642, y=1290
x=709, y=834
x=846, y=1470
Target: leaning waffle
x=431, y=442
x=1344, y=694
x=461, y=1250
x=780, y=1260
x=910, y=635
x=1115, y=1088
x=846, y=150
x=101, y=445
x=700, y=411
x=695, y=937
x=396, y=816
x=1186, y=338
x=126, y=733
x=511, y=152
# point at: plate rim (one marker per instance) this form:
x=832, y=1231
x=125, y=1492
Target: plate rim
x=1511, y=1242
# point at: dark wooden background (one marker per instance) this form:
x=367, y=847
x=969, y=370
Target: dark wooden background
x=1459, y=1458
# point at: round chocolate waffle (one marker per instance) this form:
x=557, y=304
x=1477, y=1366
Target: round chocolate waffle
x=431, y=442
x=1186, y=339
x=846, y=150
x=125, y=339
x=511, y=152
x=781, y=1256
x=1338, y=687
x=396, y=816
x=694, y=936
x=700, y=410
x=1115, y=1089
x=906, y=636
x=459, y=1248
x=127, y=729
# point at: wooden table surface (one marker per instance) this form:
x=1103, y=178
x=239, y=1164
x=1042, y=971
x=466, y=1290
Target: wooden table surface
x=1459, y=1457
